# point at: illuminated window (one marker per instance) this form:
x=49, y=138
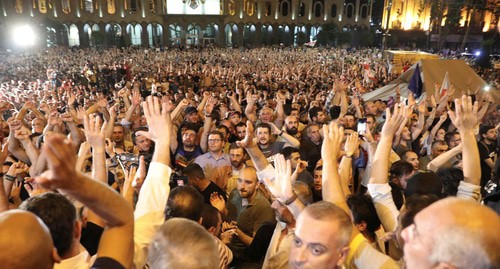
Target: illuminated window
x=268, y=8
x=249, y=7
x=152, y=6
x=231, y=7
x=18, y=6
x=89, y=7
x=73, y=36
x=42, y=6
x=65, y=6
x=111, y=6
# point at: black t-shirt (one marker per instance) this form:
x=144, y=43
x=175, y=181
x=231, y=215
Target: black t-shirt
x=486, y=152
x=211, y=188
x=91, y=235
x=106, y=263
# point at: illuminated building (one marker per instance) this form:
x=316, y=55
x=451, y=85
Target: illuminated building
x=187, y=22
x=431, y=15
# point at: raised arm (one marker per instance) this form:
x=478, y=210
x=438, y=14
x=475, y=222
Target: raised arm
x=465, y=119
x=442, y=159
x=259, y=160
x=117, y=239
x=380, y=166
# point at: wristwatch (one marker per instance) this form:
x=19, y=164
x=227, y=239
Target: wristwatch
x=348, y=154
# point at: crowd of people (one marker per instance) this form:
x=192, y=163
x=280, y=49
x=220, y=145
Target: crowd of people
x=229, y=158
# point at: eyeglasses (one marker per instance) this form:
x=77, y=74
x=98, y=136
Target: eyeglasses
x=213, y=140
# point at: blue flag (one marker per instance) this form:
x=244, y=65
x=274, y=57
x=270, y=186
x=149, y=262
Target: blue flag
x=416, y=86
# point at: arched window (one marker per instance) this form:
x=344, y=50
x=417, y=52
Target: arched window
x=249, y=7
x=111, y=7
x=285, y=6
x=268, y=8
x=18, y=5
x=349, y=10
x=73, y=36
x=364, y=11
x=231, y=7
x=318, y=9
x=302, y=9
x=333, y=12
x=66, y=6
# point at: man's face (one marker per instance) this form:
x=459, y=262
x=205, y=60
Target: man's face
x=192, y=117
x=291, y=125
x=281, y=211
x=349, y=121
x=188, y=138
x=247, y=183
x=315, y=248
x=237, y=157
x=241, y=132
x=235, y=119
x=215, y=143
x=370, y=123
x=321, y=118
x=225, y=135
x=455, y=141
x=294, y=159
x=318, y=180
x=405, y=134
x=418, y=239
x=118, y=133
x=266, y=115
x=370, y=108
x=263, y=136
x=143, y=143
x=439, y=149
x=491, y=135
x=314, y=134
x=412, y=158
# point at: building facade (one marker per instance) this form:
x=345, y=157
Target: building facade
x=182, y=22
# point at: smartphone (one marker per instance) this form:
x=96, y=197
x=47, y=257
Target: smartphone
x=362, y=126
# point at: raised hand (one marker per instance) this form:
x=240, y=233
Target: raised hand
x=394, y=120
x=136, y=97
x=217, y=201
x=14, y=125
x=333, y=136
x=248, y=141
x=61, y=160
x=352, y=143
x=94, y=130
x=67, y=117
x=465, y=115
x=157, y=118
x=281, y=187
x=22, y=134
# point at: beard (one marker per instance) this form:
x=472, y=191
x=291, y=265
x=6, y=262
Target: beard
x=292, y=131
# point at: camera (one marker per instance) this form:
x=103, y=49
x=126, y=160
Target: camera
x=128, y=158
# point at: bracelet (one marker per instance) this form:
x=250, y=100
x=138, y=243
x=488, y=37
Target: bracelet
x=281, y=133
x=291, y=199
x=208, y=116
x=9, y=177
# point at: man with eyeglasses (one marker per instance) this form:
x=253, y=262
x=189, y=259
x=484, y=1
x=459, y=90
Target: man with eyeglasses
x=215, y=163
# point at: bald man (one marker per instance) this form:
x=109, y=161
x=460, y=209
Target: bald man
x=453, y=233
x=25, y=242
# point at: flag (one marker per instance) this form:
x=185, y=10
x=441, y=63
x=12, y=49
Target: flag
x=416, y=86
x=310, y=43
x=445, y=86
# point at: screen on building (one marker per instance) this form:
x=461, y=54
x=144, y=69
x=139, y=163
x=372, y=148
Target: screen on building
x=193, y=7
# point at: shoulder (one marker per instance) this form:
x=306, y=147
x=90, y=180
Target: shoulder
x=106, y=263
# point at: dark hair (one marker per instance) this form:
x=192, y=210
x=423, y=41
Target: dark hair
x=424, y=183
x=217, y=133
x=414, y=205
x=449, y=135
x=135, y=135
x=263, y=125
x=450, y=178
x=287, y=151
x=193, y=170
x=184, y=202
x=58, y=213
x=240, y=124
x=313, y=112
x=221, y=126
x=362, y=208
x=209, y=216
x=400, y=169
